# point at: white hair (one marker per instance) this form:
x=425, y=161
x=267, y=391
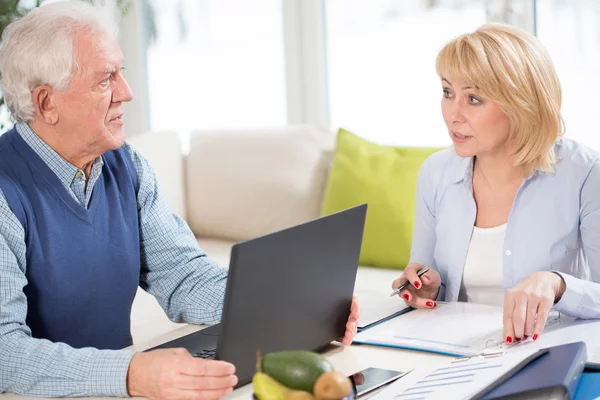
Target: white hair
x=38, y=49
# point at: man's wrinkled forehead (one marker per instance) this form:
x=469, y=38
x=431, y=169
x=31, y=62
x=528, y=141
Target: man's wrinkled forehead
x=96, y=54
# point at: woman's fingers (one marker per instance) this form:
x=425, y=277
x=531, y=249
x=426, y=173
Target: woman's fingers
x=507, y=319
x=426, y=279
x=413, y=278
x=399, y=281
x=410, y=275
x=532, y=310
x=415, y=301
x=519, y=316
x=542, y=317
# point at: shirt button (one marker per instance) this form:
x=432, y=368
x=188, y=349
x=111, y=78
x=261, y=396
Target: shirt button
x=508, y=252
x=78, y=175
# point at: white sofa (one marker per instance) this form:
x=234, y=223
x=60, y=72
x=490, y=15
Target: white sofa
x=236, y=185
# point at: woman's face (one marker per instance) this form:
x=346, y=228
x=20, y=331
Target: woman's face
x=476, y=125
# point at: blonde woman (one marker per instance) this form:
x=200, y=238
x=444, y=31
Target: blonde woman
x=510, y=214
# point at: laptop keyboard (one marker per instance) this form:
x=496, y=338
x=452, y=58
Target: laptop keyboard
x=207, y=354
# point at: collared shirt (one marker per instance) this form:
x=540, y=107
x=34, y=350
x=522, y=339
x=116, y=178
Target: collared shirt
x=188, y=285
x=553, y=225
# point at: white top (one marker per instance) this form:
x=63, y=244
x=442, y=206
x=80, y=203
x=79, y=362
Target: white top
x=482, y=274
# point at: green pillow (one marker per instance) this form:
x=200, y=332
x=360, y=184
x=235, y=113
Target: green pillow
x=385, y=178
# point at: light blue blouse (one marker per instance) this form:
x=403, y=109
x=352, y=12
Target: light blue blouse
x=554, y=225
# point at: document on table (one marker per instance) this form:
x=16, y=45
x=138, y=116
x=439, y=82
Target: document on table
x=450, y=328
x=460, y=329
x=466, y=379
x=378, y=306
x=560, y=329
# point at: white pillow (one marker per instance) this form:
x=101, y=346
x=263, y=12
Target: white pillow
x=244, y=184
x=163, y=152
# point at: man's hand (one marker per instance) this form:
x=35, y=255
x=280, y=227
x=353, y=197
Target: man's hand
x=352, y=324
x=526, y=306
x=175, y=374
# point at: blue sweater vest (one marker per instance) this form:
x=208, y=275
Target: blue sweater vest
x=83, y=265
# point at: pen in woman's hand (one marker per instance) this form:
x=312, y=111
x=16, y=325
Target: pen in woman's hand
x=405, y=284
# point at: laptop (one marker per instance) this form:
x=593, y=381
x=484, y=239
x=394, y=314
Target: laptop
x=288, y=290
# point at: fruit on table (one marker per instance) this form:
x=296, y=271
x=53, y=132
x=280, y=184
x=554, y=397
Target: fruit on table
x=267, y=388
x=297, y=370
x=332, y=386
x=299, y=395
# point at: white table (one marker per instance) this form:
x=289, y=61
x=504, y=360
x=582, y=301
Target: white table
x=347, y=359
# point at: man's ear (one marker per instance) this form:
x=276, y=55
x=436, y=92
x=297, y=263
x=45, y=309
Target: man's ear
x=45, y=105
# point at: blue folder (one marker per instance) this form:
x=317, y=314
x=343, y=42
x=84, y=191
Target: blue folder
x=553, y=375
x=589, y=386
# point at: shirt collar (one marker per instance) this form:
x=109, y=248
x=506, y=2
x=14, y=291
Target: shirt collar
x=65, y=171
x=463, y=170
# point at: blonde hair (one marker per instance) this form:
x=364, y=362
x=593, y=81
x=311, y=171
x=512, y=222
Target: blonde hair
x=510, y=67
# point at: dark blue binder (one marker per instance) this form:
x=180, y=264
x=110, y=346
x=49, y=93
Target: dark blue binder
x=556, y=374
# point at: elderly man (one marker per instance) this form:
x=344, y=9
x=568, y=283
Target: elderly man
x=83, y=223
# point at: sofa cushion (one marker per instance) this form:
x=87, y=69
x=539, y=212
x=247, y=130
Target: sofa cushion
x=163, y=152
x=244, y=184
x=385, y=178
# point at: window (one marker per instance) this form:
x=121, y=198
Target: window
x=215, y=64
x=381, y=55
x=570, y=30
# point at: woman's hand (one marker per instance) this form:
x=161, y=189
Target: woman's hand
x=421, y=292
x=526, y=306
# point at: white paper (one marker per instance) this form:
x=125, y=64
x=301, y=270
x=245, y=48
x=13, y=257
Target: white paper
x=456, y=380
x=453, y=328
x=458, y=328
x=375, y=306
x=560, y=329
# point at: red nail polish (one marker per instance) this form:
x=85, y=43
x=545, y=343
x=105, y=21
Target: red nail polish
x=526, y=336
x=518, y=339
x=429, y=304
x=417, y=285
x=535, y=336
x=508, y=339
x=405, y=296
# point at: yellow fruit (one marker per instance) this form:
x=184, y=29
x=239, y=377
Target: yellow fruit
x=332, y=386
x=299, y=395
x=267, y=388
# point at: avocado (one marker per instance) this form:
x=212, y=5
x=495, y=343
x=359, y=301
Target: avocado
x=297, y=370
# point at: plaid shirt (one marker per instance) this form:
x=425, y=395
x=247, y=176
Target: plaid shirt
x=188, y=285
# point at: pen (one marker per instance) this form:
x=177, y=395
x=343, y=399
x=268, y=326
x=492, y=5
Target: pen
x=405, y=284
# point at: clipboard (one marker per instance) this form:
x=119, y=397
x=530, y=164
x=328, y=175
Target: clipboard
x=377, y=308
x=454, y=329
x=465, y=329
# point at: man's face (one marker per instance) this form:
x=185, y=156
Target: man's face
x=90, y=111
